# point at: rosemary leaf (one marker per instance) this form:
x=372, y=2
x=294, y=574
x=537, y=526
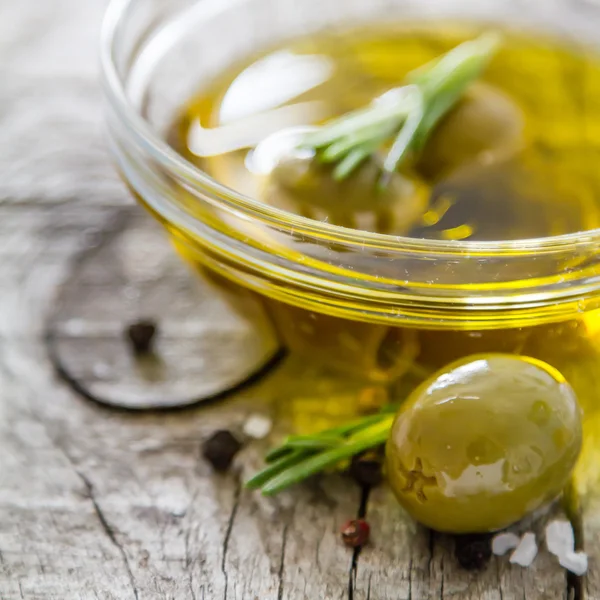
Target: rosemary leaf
x=407, y=114
x=337, y=149
x=276, y=467
x=303, y=453
x=313, y=442
x=340, y=430
x=407, y=134
x=311, y=465
x=276, y=453
x=372, y=116
x=349, y=163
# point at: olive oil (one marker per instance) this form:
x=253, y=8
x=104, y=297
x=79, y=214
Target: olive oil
x=516, y=159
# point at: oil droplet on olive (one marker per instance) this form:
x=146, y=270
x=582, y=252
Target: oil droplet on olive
x=483, y=442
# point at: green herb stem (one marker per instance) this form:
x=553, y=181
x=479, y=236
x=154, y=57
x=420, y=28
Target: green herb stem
x=276, y=467
x=404, y=116
x=300, y=457
x=324, y=437
x=378, y=434
x=313, y=442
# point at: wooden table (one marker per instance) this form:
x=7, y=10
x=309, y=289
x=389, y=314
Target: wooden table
x=101, y=503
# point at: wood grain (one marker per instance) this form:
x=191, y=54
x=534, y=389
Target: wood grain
x=103, y=504
x=208, y=341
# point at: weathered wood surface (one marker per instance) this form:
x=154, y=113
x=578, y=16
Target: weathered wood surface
x=209, y=342
x=105, y=504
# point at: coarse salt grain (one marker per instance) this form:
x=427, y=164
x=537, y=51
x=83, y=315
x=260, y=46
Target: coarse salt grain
x=560, y=539
x=526, y=551
x=576, y=562
x=503, y=542
x=258, y=427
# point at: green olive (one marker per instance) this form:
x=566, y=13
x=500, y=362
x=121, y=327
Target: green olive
x=483, y=443
x=485, y=122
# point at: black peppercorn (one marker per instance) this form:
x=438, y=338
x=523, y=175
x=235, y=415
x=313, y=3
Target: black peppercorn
x=141, y=335
x=365, y=468
x=355, y=533
x=473, y=551
x=220, y=448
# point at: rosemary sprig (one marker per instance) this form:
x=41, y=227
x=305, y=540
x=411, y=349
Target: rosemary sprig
x=300, y=457
x=407, y=115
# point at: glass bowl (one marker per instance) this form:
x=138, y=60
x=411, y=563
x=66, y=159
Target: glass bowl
x=380, y=307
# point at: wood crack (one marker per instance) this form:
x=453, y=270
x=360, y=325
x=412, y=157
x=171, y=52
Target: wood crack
x=499, y=580
x=191, y=586
x=361, y=514
x=282, y=563
x=431, y=551
x=317, y=554
x=189, y=563
x=109, y=531
x=442, y=581
x=575, y=585
x=225, y=547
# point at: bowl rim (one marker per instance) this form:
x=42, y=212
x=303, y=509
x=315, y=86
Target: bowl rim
x=148, y=139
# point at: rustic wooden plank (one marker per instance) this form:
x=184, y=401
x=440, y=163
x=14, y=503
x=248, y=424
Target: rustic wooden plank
x=172, y=528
